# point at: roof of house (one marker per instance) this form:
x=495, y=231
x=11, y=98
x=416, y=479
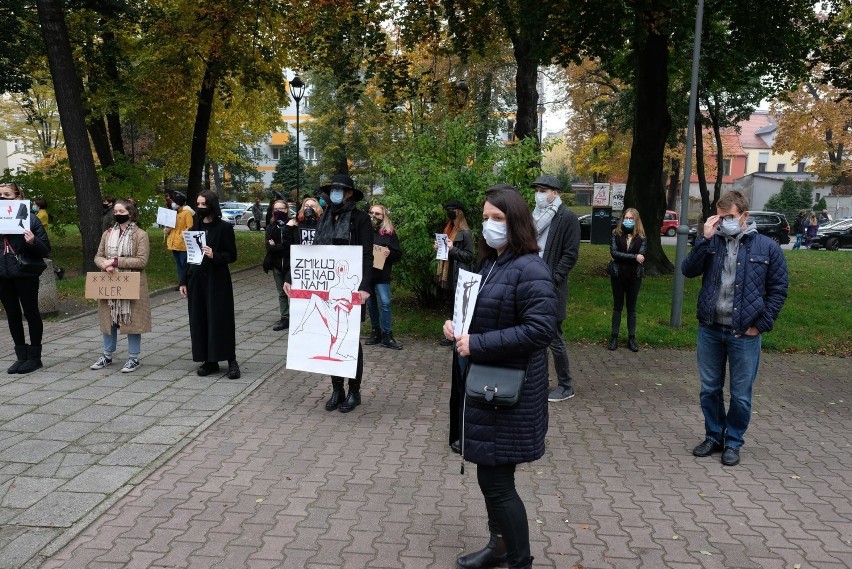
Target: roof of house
x=760, y=122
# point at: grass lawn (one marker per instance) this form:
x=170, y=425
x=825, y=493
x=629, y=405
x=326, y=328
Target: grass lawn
x=817, y=316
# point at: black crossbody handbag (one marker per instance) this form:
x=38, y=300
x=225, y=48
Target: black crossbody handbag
x=494, y=385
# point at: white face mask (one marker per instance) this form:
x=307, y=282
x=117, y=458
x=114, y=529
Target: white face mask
x=541, y=199
x=494, y=233
x=730, y=227
x=336, y=196
x=175, y=206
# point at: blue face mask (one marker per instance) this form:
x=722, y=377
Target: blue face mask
x=336, y=196
x=629, y=223
x=321, y=203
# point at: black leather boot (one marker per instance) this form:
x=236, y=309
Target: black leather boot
x=613, y=343
x=632, y=345
x=354, y=397
x=375, y=337
x=21, y=355
x=337, y=394
x=492, y=555
x=527, y=565
x=388, y=341
x=33, y=359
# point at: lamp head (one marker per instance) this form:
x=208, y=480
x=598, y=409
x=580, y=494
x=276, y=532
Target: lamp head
x=297, y=88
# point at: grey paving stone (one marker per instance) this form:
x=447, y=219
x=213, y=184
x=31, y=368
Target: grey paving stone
x=31, y=451
x=100, y=479
x=65, y=431
x=134, y=454
x=24, y=491
x=59, y=509
x=161, y=434
x=17, y=551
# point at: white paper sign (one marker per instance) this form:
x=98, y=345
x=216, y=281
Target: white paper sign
x=618, y=191
x=467, y=290
x=14, y=216
x=166, y=217
x=195, y=241
x=600, y=195
x=325, y=310
x=443, y=250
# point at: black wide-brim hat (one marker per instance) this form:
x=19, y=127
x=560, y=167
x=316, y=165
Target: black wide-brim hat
x=343, y=182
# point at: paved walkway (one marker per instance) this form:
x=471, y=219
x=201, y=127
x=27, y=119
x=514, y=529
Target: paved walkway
x=161, y=468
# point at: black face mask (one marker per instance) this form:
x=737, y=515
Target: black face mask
x=203, y=211
x=121, y=218
x=310, y=214
x=451, y=214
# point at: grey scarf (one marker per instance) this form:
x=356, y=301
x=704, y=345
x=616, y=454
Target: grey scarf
x=543, y=217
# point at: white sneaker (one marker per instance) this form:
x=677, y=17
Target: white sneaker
x=102, y=362
x=131, y=365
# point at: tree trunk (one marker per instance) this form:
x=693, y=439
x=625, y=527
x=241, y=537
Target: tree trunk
x=651, y=126
x=66, y=85
x=219, y=188
x=720, y=154
x=97, y=131
x=674, y=185
x=198, y=151
x=526, y=90
x=699, y=164
x=483, y=112
x=110, y=49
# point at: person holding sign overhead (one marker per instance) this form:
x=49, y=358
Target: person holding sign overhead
x=19, y=284
x=124, y=247
x=208, y=287
x=386, y=252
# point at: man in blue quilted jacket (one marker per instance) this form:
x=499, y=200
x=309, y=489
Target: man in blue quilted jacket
x=743, y=287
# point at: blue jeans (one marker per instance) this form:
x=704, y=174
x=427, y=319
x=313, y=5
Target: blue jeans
x=379, y=306
x=180, y=261
x=134, y=343
x=717, y=346
x=798, y=244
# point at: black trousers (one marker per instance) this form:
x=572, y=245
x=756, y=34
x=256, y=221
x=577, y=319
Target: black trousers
x=624, y=289
x=355, y=382
x=16, y=294
x=507, y=515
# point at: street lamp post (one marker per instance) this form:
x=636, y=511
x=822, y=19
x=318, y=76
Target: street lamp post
x=297, y=91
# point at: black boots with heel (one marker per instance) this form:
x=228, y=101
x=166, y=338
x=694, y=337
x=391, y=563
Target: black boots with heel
x=337, y=394
x=493, y=555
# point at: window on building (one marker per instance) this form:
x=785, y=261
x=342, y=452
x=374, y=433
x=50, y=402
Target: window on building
x=276, y=153
x=726, y=167
x=510, y=130
x=762, y=159
x=781, y=167
x=310, y=154
x=802, y=165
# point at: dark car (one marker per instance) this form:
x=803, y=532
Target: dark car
x=586, y=225
x=833, y=238
x=773, y=225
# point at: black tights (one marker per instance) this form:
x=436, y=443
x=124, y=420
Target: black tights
x=621, y=289
x=17, y=293
x=507, y=515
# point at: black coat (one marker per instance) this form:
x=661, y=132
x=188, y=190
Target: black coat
x=561, y=252
x=360, y=233
x=279, y=253
x=513, y=323
x=460, y=256
x=40, y=248
x=211, y=296
x=391, y=242
x=304, y=232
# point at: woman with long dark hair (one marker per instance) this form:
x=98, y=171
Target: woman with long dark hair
x=625, y=274
x=19, y=285
x=513, y=322
x=210, y=291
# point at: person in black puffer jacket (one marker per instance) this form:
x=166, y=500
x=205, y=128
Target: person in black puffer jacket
x=625, y=274
x=19, y=288
x=278, y=239
x=379, y=304
x=513, y=322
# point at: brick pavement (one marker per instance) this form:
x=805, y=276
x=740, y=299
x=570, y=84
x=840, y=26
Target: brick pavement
x=277, y=481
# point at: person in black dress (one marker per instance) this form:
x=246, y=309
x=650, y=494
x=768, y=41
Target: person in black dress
x=210, y=291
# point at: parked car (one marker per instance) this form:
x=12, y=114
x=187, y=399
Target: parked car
x=833, y=238
x=247, y=218
x=670, y=223
x=769, y=223
x=232, y=211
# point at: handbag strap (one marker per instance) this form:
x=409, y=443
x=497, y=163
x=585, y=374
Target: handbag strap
x=7, y=247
